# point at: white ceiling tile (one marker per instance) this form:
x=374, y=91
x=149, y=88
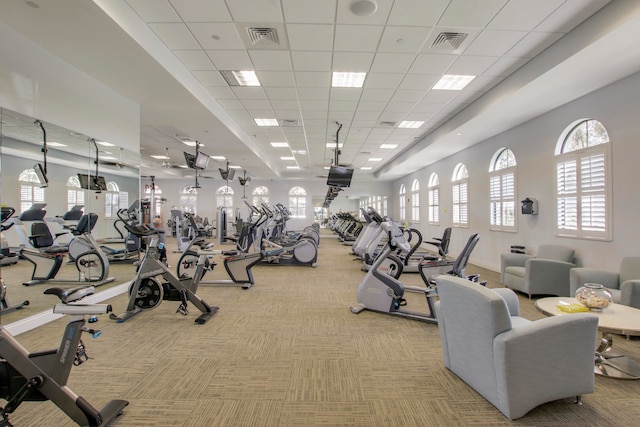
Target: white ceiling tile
x=314, y=115
x=154, y=10
x=392, y=62
x=505, y=66
x=175, y=36
x=421, y=82
x=314, y=105
x=339, y=105
x=471, y=14
x=202, y=10
x=310, y=36
x=523, y=15
x=345, y=16
x=230, y=59
x=409, y=96
x=314, y=93
x=252, y=105
x=288, y=115
x=222, y=92
x=230, y=104
x=377, y=94
x=309, y=11
x=533, y=44
x=494, y=43
x=417, y=12
x=276, y=78
x=357, y=38
x=470, y=65
x=313, y=79
x=216, y=35
x=439, y=96
x=249, y=92
x=270, y=60
x=424, y=107
x=311, y=61
x=209, y=78
x=399, y=107
x=255, y=10
x=194, y=59
x=570, y=14
x=383, y=80
x=431, y=64
x=281, y=93
x=367, y=115
x=371, y=106
x=403, y=39
x=283, y=104
x=392, y=116
x=345, y=94
x=357, y=62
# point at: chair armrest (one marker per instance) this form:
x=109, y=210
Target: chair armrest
x=630, y=293
x=512, y=259
x=511, y=298
x=545, y=360
x=580, y=275
x=548, y=276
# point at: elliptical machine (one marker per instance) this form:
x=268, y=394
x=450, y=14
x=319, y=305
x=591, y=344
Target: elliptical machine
x=43, y=375
x=146, y=292
x=5, y=307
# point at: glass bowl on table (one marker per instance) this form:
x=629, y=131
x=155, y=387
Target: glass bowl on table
x=594, y=296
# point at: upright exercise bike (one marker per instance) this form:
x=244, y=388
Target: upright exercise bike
x=146, y=292
x=43, y=375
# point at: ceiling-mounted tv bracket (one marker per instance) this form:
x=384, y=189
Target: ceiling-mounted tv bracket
x=41, y=169
x=95, y=183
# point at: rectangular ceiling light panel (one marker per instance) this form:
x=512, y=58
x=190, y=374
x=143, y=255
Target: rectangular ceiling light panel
x=240, y=78
x=453, y=82
x=345, y=79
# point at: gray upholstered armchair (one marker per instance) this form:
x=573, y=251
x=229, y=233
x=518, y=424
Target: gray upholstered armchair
x=514, y=363
x=546, y=273
x=624, y=285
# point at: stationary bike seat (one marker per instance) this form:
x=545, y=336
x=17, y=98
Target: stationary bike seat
x=71, y=294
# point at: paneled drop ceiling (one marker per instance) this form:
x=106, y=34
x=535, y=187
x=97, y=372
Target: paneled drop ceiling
x=403, y=46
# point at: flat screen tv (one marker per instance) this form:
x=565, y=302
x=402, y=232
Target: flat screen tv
x=339, y=176
x=201, y=161
x=190, y=159
x=44, y=181
x=96, y=183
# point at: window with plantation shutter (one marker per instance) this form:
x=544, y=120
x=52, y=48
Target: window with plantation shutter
x=30, y=191
x=502, y=191
x=460, y=188
x=583, y=180
x=298, y=202
x=189, y=199
x=415, y=201
x=403, y=203
x=434, y=199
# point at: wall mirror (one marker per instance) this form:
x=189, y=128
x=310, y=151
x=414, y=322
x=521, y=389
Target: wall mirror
x=74, y=184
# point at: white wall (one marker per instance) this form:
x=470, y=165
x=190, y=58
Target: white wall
x=533, y=144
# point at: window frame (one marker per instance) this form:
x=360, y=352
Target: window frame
x=296, y=196
x=460, y=196
x=403, y=202
x=434, y=199
x=503, y=191
x=415, y=201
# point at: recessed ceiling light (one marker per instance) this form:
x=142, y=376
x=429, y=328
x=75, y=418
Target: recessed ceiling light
x=333, y=145
x=299, y=152
x=363, y=7
x=389, y=146
x=55, y=144
x=346, y=79
x=160, y=157
x=287, y=158
x=366, y=168
x=279, y=144
x=453, y=82
x=407, y=124
x=108, y=158
x=375, y=159
x=105, y=144
x=241, y=78
x=266, y=122
x=235, y=167
x=193, y=143
x=218, y=158
x=293, y=167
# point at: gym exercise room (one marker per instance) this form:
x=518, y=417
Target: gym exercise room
x=279, y=213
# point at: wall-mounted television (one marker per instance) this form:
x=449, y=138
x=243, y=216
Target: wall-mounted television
x=339, y=176
x=227, y=174
x=96, y=183
x=190, y=159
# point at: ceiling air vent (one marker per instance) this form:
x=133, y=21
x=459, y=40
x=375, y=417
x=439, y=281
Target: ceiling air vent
x=448, y=40
x=289, y=123
x=261, y=34
x=387, y=124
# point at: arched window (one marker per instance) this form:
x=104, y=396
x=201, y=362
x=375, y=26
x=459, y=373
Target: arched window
x=298, y=202
x=583, y=181
x=111, y=200
x=260, y=195
x=30, y=191
x=385, y=206
x=434, y=199
x=502, y=191
x=157, y=204
x=403, y=202
x=415, y=201
x=225, y=198
x=460, y=186
x=75, y=193
x=189, y=200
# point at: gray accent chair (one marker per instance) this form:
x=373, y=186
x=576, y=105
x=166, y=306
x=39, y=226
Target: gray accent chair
x=623, y=285
x=546, y=273
x=514, y=363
